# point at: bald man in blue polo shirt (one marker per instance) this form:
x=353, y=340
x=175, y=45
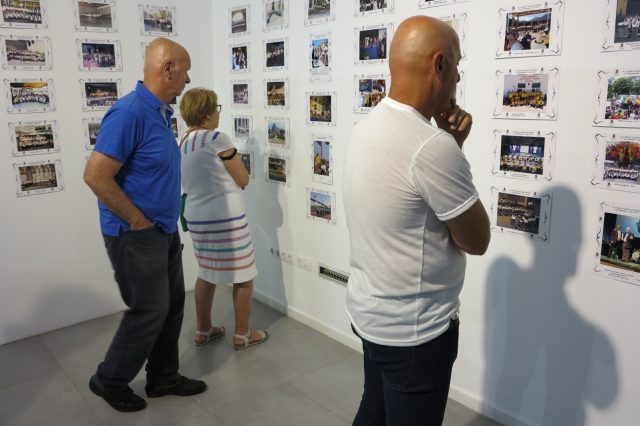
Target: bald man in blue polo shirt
x=134, y=171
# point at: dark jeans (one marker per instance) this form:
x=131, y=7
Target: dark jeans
x=406, y=386
x=147, y=266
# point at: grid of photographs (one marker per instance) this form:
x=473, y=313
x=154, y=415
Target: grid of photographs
x=322, y=159
x=373, y=7
x=527, y=94
x=621, y=25
x=276, y=93
x=520, y=212
x=29, y=96
x=524, y=154
x=320, y=59
x=39, y=177
x=618, y=100
x=247, y=160
x=26, y=53
x=372, y=44
x=99, y=55
x=369, y=91
x=239, y=20
x=318, y=11
x=276, y=15
x=33, y=137
x=617, y=161
x=240, y=57
x=321, y=108
x=241, y=93
x=436, y=3
x=321, y=205
x=23, y=14
x=278, y=169
x=275, y=54
x=99, y=94
x=158, y=20
x=96, y=15
x=242, y=127
x=278, y=134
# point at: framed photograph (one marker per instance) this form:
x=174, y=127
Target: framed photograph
x=460, y=88
x=239, y=20
x=320, y=57
x=434, y=3
x=99, y=55
x=95, y=15
x=99, y=94
x=33, y=137
x=524, y=154
x=91, y=128
x=620, y=25
x=240, y=93
x=373, y=7
x=321, y=108
x=618, y=100
x=178, y=126
x=458, y=21
x=372, y=44
x=276, y=93
x=157, y=20
x=321, y=205
x=39, y=177
x=520, y=212
x=617, y=249
x=276, y=54
x=278, y=134
x=369, y=91
x=26, y=53
x=278, y=169
x=322, y=159
x=247, y=160
x=242, y=128
x=527, y=94
x=531, y=30
x=318, y=11
x=23, y=14
x=276, y=15
x=29, y=95
x=617, y=161
x=240, y=57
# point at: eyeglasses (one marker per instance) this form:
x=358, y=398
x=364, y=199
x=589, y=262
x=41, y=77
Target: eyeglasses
x=219, y=108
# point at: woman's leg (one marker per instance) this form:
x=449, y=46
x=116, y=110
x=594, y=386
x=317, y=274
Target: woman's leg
x=204, y=292
x=242, y=300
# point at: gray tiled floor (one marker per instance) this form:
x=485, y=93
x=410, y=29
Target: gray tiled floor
x=298, y=377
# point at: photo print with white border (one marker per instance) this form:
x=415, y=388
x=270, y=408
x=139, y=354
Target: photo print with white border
x=372, y=44
x=242, y=128
x=321, y=108
x=524, y=154
x=99, y=55
x=617, y=249
x=621, y=25
x=278, y=133
x=26, y=95
x=33, y=137
x=276, y=54
x=617, y=161
x=95, y=15
x=239, y=20
x=277, y=169
x=321, y=205
x=276, y=15
x=38, y=177
x=373, y=7
x=531, y=30
x=26, y=53
x=240, y=57
x=320, y=57
x=240, y=93
x=318, y=11
x=457, y=21
x=91, y=127
x=276, y=93
x=618, y=100
x=247, y=161
x=435, y=3
x=99, y=94
x=524, y=213
x=157, y=20
x=322, y=159
x=369, y=91
x=527, y=94
x=23, y=14
x=460, y=87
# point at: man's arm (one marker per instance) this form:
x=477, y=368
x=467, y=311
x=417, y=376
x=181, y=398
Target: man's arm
x=470, y=230
x=99, y=175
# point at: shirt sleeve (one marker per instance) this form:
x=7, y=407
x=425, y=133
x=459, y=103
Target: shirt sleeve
x=442, y=176
x=118, y=135
x=220, y=142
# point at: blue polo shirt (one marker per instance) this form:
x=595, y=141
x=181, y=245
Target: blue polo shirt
x=137, y=132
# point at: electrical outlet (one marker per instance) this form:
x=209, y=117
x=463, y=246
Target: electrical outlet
x=305, y=263
x=287, y=257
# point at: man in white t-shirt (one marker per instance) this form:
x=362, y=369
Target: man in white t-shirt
x=412, y=213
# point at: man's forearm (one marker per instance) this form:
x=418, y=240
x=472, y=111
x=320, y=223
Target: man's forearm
x=114, y=198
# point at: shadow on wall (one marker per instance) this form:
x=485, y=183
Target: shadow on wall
x=545, y=362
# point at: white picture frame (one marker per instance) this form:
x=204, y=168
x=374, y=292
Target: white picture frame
x=275, y=15
x=91, y=128
x=26, y=53
x=157, y=20
x=276, y=54
x=276, y=93
x=618, y=32
x=98, y=94
x=372, y=7
x=321, y=206
x=321, y=108
x=370, y=89
x=278, y=132
x=616, y=164
x=615, y=109
x=95, y=15
x=239, y=20
x=99, y=55
x=242, y=127
x=38, y=177
x=241, y=93
x=322, y=164
x=372, y=43
x=33, y=137
x=517, y=94
x=320, y=46
x=240, y=58
x=318, y=12
x=12, y=17
x=27, y=95
x=520, y=212
x=278, y=169
x=524, y=154
x=247, y=159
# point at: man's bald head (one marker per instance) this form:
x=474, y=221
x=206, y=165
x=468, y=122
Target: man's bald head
x=166, y=67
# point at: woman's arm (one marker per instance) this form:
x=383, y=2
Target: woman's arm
x=235, y=168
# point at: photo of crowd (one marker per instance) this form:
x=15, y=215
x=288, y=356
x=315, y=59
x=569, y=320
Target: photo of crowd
x=157, y=19
x=522, y=154
x=622, y=162
x=34, y=137
x=245, y=157
x=320, y=108
x=25, y=52
x=239, y=58
x=98, y=55
x=525, y=93
x=277, y=169
x=371, y=5
x=239, y=21
x=242, y=127
x=21, y=11
x=277, y=132
x=623, y=98
x=370, y=92
x=240, y=93
x=30, y=95
x=39, y=176
x=318, y=9
x=276, y=93
x=100, y=94
x=319, y=55
x=95, y=15
x=274, y=13
x=274, y=54
x=321, y=158
x=519, y=212
x=627, y=28
x=620, y=246
x=528, y=30
x=320, y=205
x=372, y=44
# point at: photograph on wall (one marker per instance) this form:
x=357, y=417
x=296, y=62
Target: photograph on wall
x=91, y=127
x=369, y=91
x=38, y=177
x=320, y=60
x=523, y=154
x=318, y=11
x=531, y=30
x=26, y=53
x=23, y=14
x=617, y=161
x=240, y=93
x=618, y=100
x=276, y=93
x=527, y=94
x=95, y=15
x=321, y=108
x=242, y=128
x=239, y=20
x=178, y=126
x=240, y=57
x=321, y=205
x=322, y=160
x=99, y=55
x=275, y=54
x=278, y=169
x=276, y=15
x=617, y=249
x=372, y=44
x=621, y=25
x=158, y=20
x=278, y=134
x=99, y=94
x=436, y=3
x=521, y=213
x=373, y=7
x=460, y=88
x=33, y=137
x=29, y=95
x=247, y=161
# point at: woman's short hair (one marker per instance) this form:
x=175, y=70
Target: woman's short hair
x=196, y=104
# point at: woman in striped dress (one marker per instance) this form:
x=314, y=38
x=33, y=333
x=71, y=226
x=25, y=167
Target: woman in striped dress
x=213, y=178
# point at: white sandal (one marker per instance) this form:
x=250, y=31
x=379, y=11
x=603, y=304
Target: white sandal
x=210, y=335
x=245, y=339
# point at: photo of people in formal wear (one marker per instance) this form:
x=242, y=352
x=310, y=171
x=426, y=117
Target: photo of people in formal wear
x=98, y=15
x=620, y=244
x=522, y=154
x=518, y=212
x=34, y=137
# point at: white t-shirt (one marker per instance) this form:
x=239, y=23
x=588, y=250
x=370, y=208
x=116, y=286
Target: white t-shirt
x=403, y=178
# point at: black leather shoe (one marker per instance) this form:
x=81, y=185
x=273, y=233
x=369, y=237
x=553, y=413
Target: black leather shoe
x=181, y=387
x=123, y=400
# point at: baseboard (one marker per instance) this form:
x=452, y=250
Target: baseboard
x=488, y=410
